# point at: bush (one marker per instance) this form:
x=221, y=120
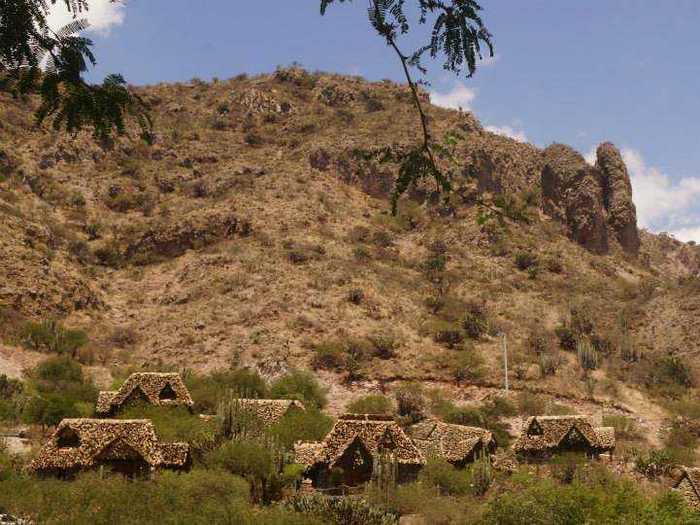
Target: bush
x=672, y=370
x=600, y=499
x=59, y=391
x=525, y=260
x=567, y=338
x=198, y=497
x=582, y=319
x=330, y=355
x=356, y=296
x=176, y=424
x=50, y=336
x=301, y=425
x=411, y=402
x=301, y=385
x=207, y=391
x=445, y=478
x=372, y=404
x=341, y=511
x=384, y=343
x=475, y=320
x=444, y=332
x=260, y=462
x=485, y=416
x=467, y=365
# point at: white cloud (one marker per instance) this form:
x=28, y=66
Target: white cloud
x=688, y=234
x=102, y=15
x=507, y=131
x=664, y=204
x=591, y=156
x=459, y=97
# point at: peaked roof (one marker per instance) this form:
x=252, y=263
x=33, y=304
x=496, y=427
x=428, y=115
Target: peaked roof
x=550, y=431
x=308, y=453
x=374, y=432
x=269, y=411
x=147, y=385
x=692, y=474
x=449, y=441
x=102, y=439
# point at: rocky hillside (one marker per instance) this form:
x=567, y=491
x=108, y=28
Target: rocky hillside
x=257, y=230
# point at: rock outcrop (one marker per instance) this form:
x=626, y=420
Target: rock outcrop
x=594, y=202
x=617, y=197
x=572, y=194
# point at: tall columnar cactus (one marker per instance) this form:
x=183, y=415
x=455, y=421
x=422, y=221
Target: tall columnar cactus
x=587, y=355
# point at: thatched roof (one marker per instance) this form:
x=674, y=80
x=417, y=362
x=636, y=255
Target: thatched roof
x=85, y=443
x=160, y=389
x=688, y=485
x=269, y=411
x=541, y=433
x=375, y=432
x=308, y=453
x=452, y=442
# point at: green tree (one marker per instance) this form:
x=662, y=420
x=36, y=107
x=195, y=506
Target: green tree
x=36, y=59
x=457, y=35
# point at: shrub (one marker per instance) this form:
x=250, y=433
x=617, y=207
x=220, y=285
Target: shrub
x=371, y=404
x=567, y=338
x=330, y=355
x=356, y=296
x=301, y=385
x=253, y=139
x=654, y=463
x=538, y=341
x=582, y=319
x=467, y=365
x=530, y=404
x=208, y=390
x=672, y=370
x=176, y=424
x=61, y=391
x=341, y=511
x=301, y=425
x=411, y=402
x=384, y=343
x=444, y=332
x=625, y=427
x=549, y=363
x=196, y=497
x=610, y=500
x=554, y=264
x=525, y=260
x=445, y=478
x=258, y=461
x=50, y=336
x=475, y=320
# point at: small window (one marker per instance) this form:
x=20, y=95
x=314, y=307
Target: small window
x=167, y=393
x=535, y=429
x=68, y=438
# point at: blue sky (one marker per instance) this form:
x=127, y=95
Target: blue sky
x=566, y=71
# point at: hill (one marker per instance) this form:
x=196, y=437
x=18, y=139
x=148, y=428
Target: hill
x=256, y=230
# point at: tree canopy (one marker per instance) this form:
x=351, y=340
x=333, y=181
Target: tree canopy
x=458, y=34
x=34, y=58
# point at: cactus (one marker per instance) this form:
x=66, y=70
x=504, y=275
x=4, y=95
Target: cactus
x=587, y=355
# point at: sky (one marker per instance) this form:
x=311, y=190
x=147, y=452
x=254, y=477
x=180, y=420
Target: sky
x=625, y=71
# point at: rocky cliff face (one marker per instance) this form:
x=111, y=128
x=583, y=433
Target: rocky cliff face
x=594, y=202
x=617, y=197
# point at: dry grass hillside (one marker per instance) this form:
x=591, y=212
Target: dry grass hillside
x=255, y=230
